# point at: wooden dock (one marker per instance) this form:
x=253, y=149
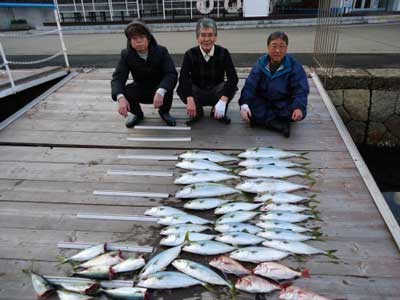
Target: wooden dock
x=58, y=153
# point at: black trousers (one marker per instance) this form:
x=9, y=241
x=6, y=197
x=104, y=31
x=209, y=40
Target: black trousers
x=207, y=97
x=136, y=94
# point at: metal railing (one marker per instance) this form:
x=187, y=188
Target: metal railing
x=6, y=63
x=326, y=41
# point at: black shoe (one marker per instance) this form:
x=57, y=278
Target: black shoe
x=192, y=120
x=133, y=120
x=169, y=120
x=279, y=126
x=226, y=120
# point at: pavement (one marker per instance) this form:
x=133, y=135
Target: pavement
x=370, y=45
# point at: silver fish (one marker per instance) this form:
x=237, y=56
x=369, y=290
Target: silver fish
x=42, y=286
x=161, y=211
x=270, y=172
x=293, y=247
x=203, y=176
x=127, y=293
x=199, y=272
x=183, y=228
x=285, y=216
x=258, y=254
x=284, y=235
x=201, y=190
x=128, y=265
x=204, y=203
x=239, y=238
x=179, y=238
x=85, y=287
x=209, y=155
x=259, y=186
x=277, y=271
x=160, y=261
x=200, y=164
x=236, y=226
x=267, y=153
x=254, y=284
x=236, y=216
x=106, y=259
x=260, y=162
x=65, y=295
x=98, y=272
x=284, y=207
x=168, y=280
x=282, y=225
x=235, y=206
x=296, y=293
x=88, y=253
x=182, y=219
x=280, y=197
x=207, y=247
x=229, y=266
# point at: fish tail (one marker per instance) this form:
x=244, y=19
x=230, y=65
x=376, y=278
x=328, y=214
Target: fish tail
x=29, y=269
x=232, y=290
x=310, y=178
x=302, y=155
x=62, y=260
x=209, y=288
x=313, y=198
x=285, y=285
x=305, y=273
x=329, y=253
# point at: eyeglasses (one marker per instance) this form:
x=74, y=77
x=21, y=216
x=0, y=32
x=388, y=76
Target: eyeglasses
x=277, y=47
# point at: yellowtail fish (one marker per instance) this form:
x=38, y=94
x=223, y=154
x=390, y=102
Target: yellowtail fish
x=168, y=280
x=42, y=286
x=213, y=156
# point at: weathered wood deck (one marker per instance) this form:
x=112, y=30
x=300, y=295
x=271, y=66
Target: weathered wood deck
x=56, y=155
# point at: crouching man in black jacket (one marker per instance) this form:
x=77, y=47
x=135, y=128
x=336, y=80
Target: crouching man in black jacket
x=154, y=76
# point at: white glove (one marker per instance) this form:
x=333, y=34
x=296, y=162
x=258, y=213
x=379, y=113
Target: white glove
x=219, y=109
x=244, y=107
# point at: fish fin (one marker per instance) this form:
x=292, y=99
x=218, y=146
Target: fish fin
x=329, y=253
x=305, y=273
x=111, y=274
x=285, y=285
x=235, y=171
x=187, y=239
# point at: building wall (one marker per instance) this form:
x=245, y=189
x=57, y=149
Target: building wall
x=34, y=16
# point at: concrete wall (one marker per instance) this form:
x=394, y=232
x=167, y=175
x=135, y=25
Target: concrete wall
x=369, y=103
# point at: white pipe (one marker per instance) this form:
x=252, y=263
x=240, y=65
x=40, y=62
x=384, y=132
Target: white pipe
x=64, y=49
x=3, y=56
x=138, y=8
x=163, y=8
x=83, y=10
x=111, y=10
x=157, y=139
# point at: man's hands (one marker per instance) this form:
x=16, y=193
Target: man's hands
x=245, y=113
x=220, y=107
x=297, y=115
x=123, y=106
x=191, y=107
x=158, y=100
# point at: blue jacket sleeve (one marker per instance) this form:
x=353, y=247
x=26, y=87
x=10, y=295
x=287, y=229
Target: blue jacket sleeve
x=248, y=93
x=300, y=89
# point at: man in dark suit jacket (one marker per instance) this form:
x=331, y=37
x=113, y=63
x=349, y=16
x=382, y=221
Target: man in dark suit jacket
x=154, y=76
x=202, y=77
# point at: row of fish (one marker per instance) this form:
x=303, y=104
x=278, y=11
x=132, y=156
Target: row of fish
x=277, y=211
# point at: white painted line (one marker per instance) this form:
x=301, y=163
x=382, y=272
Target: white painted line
x=118, y=217
x=104, y=284
x=163, y=127
x=155, y=139
x=149, y=157
x=139, y=173
x=110, y=247
x=130, y=194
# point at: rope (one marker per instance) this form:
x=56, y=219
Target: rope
x=35, y=61
x=27, y=35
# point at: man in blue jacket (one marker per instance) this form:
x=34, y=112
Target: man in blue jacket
x=153, y=72
x=276, y=90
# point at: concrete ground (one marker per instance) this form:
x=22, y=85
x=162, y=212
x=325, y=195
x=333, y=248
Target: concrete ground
x=378, y=44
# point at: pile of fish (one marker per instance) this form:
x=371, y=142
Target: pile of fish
x=256, y=222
